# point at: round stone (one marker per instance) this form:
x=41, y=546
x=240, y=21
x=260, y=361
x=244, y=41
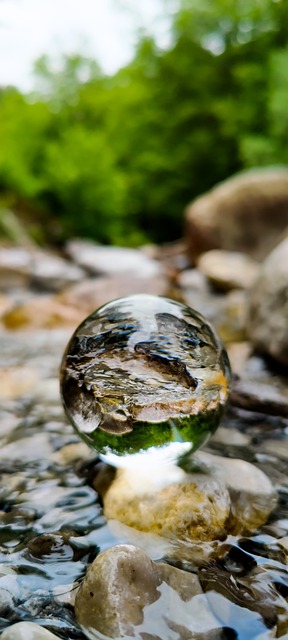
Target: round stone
x=144, y=376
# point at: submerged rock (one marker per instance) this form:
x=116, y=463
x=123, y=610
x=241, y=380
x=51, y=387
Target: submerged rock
x=247, y=212
x=125, y=594
x=268, y=310
x=144, y=376
x=27, y=631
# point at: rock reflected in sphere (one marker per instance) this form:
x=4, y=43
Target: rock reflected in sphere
x=144, y=375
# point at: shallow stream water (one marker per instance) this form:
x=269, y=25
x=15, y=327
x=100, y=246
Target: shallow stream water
x=51, y=522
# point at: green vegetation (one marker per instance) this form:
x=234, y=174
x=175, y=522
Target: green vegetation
x=118, y=158
x=195, y=429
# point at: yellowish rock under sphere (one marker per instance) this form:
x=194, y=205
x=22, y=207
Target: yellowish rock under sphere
x=192, y=506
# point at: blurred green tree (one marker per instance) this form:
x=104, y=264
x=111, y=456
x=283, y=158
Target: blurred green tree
x=117, y=158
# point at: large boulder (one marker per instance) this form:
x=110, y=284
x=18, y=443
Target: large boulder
x=246, y=213
x=268, y=309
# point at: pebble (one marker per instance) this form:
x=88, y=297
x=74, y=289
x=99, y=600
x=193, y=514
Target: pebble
x=9, y=592
x=45, y=312
x=29, y=448
x=71, y=453
x=260, y=396
x=278, y=448
x=283, y=542
x=228, y=270
x=193, y=280
x=17, y=381
x=230, y=437
x=27, y=631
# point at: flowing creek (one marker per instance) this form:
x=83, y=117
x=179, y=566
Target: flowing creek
x=51, y=520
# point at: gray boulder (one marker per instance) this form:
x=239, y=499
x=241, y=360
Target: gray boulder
x=268, y=308
x=246, y=213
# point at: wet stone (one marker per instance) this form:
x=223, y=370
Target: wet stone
x=27, y=631
x=252, y=494
x=173, y=504
x=145, y=375
x=125, y=594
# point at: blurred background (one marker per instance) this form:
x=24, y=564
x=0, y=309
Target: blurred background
x=114, y=116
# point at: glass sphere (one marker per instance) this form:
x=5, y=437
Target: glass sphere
x=144, y=376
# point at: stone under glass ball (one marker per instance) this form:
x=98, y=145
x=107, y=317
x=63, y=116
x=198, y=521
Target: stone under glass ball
x=144, y=376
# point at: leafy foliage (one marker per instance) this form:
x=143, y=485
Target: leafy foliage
x=118, y=158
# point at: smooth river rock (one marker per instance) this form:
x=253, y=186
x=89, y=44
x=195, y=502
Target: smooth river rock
x=97, y=259
x=20, y=266
x=268, y=309
x=228, y=270
x=27, y=631
x=45, y=312
x=252, y=494
x=170, y=503
x=226, y=495
x=247, y=212
x=126, y=595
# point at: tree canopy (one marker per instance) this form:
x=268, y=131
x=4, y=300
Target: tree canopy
x=117, y=158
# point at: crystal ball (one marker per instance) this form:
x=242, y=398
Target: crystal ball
x=144, y=377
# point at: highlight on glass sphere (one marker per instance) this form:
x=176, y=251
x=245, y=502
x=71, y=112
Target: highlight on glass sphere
x=144, y=376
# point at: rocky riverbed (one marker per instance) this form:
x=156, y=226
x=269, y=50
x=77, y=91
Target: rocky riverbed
x=52, y=522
